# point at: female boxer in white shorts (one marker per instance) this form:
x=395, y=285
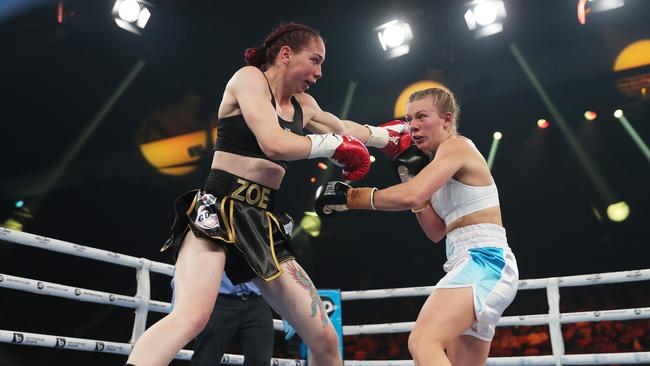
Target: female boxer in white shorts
x=454, y=195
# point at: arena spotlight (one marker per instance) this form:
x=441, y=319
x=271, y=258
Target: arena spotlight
x=394, y=38
x=131, y=15
x=311, y=224
x=485, y=17
x=618, y=211
x=590, y=115
x=542, y=123
x=496, y=137
x=633, y=133
x=18, y=217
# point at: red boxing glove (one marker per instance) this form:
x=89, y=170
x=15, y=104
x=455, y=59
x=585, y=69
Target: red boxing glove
x=345, y=151
x=353, y=156
x=391, y=137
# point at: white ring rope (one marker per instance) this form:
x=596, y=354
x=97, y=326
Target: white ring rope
x=532, y=284
x=509, y=321
x=55, y=245
x=81, y=294
x=142, y=303
x=594, y=359
x=81, y=344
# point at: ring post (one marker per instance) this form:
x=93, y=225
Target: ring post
x=553, y=296
x=144, y=295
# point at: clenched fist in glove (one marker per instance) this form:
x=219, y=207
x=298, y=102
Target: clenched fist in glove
x=409, y=163
x=391, y=137
x=339, y=196
x=344, y=151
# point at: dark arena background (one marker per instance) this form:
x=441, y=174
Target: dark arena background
x=104, y=126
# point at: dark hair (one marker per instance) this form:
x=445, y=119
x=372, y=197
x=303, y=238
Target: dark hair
x=294, y=35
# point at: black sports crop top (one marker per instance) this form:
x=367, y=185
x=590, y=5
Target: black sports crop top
x=234, y=136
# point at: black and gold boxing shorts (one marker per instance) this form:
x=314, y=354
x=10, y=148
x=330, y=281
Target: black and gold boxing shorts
x=240, y=216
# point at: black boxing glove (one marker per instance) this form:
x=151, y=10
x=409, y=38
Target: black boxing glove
x=338, y=196
x=409, y=163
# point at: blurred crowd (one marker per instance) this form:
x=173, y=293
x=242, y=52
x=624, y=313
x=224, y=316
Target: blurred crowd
x=585, y=337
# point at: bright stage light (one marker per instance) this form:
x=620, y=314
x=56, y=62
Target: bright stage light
x=496, y=137
x=311, y=224
x=542, y=123
x=131, y=15
x=618, y=211
x=590, y=115
x=128, y=10
x=618, y=113
x=485, y=17
x=394, y=38
x=485, y=13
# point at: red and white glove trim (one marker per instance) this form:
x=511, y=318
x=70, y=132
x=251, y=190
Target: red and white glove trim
x=379, y=136
x=345, y=151
x=324, y=146
x=389, y=132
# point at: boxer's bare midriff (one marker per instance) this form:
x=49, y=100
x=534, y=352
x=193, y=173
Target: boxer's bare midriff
x=261, y=171
x=491, y=215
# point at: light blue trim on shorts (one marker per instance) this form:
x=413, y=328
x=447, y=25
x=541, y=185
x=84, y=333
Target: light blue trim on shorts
x=482, y=272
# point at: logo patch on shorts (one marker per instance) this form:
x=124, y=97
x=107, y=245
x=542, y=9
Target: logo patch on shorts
x=208, y=199
x=206, y=219
x=288, y=228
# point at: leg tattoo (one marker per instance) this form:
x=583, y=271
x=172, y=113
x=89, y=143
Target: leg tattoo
x=316, y=304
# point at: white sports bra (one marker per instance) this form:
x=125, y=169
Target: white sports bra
x=455, y=199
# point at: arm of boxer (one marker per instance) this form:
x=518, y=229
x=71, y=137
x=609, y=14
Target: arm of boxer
x=431, y=223
x=253, y=97
x=338, y=196
x=251, y=93
x=389, y=136
x=450, y=157
x=385, y=136
x=319, y=121
x=392, y=137
x=357, y=130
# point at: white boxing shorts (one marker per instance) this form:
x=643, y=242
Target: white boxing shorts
x=478, y=256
